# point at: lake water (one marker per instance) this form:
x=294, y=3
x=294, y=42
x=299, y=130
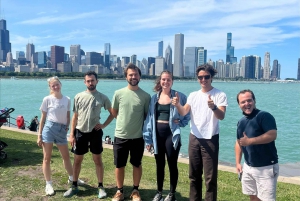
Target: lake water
x=280, y=99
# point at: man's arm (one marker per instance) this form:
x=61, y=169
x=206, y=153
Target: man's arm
x=114, y=112
x=238, y=157
x=220, y=112
x=265, y=138
x=73, y=127
x=108, y=120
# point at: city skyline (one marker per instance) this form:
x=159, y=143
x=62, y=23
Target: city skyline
x=133, y=27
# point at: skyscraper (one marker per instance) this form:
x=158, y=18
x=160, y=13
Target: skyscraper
x=29, y=51
x=42, y=59
x=57, y=55
x=133, y=59
x=275, y=69
x=298, y=76
x=93, y=58
x=75, y=54
x=267, y=66
x=151, y=60
x=5, y=45
x=168, y=59
x=178, y=55
x=190, y=64
x=107, y=55
x=20, y=54
x=250, y=67
x=230, y=50
x=258, y=74
x=201, y=55
x=159, y=65
x=160, y=48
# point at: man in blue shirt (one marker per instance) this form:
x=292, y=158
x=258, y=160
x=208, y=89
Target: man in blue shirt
x=256, y=134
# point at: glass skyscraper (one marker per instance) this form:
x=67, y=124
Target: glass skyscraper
x=5, y=45
x=178, y=55
x=107, y=55
x=160, y=48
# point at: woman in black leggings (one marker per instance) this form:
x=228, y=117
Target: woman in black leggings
x=162, y=132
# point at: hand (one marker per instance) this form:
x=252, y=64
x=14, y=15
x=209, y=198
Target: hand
x=210, y=102
x=239, y=168
x=99, y=126
x=72, y=139
x=244, y=141
x=148, y=147
x=39, y=141
x=176, y=100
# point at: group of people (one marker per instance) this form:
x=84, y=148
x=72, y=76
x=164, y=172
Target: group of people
x=155, y=123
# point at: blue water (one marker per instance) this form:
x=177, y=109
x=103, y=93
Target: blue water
x=280, y=99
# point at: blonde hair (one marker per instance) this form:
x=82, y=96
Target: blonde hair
x=53, y=79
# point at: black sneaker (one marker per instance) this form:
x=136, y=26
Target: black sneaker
x=158, y=197
x=170, y=197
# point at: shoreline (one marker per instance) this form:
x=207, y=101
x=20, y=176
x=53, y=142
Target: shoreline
x=288, y=173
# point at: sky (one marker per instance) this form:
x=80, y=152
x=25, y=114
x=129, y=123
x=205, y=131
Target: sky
x=136, y=26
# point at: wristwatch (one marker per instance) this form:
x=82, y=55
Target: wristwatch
x=214, y=108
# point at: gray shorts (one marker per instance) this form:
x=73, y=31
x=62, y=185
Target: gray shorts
x=260, y=181
x=54, y=133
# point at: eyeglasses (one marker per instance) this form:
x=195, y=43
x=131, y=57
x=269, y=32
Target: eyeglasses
x=205, y=77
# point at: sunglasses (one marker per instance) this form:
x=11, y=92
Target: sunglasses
x=205, y=77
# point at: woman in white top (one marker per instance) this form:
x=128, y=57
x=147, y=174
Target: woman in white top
x=54, y=125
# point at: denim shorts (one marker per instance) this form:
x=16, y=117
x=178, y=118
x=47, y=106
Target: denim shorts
x=54, y=133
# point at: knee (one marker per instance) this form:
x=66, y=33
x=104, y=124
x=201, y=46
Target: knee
x=47, y=159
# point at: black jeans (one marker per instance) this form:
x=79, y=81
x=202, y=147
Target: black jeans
x=165, y=148
x=203, y=156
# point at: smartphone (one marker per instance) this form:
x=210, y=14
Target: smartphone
x=240, y=176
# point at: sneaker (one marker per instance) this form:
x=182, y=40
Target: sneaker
x=135, y=195
x=49, y=189
x=118, y=196
x=79, y=182
x=158, y=197
x=101, y=193
x=72, y=191
x=170, y=197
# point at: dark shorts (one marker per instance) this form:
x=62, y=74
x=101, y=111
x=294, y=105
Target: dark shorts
x=86, y=141
x=122, y=147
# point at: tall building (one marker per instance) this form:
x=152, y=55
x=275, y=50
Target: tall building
x=298, y=75
x=29, y=51
x=160, y=48
x=151, y=60
x=20, y=54
x=133, y=59
x=202, y=56
x=5, y=45
x=57, y=55
x=9, y=59
x=125, y=61
x=275, y=70
x=107, y=52
x=75, y=54
x=258, y=74
x=168, y=59
x=159, y=65
x=93, y=58
x=230, y=50
x=267, y=66
x=42, y=59
x=178, y=55
x=250, y=67
x=191, y=60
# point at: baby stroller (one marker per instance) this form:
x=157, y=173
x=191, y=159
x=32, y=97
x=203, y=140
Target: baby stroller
x=4, y=114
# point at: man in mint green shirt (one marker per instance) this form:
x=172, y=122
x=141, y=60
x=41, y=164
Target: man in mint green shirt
x=130, y=106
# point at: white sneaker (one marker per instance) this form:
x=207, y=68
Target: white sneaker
x=49, y=189
x=79, y=182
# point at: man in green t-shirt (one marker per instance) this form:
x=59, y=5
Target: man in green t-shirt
x=86, y=130
x=130, y=106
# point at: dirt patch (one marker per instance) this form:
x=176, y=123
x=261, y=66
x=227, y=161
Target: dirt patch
x=31, y=172
x=3, y=194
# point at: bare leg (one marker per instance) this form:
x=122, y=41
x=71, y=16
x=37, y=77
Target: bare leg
x=120, y=174
x=137, y=175
x=99, y=167
x=47, y=151
x=64, y=152
x=77, y=166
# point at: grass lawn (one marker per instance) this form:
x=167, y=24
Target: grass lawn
x=21, y=176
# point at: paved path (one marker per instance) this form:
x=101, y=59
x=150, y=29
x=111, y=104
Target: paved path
x=288, y=173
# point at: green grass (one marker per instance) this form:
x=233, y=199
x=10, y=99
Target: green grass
x=21, y=176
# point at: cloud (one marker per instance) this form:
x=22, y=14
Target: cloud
x=59, y=19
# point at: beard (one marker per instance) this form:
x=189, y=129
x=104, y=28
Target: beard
x=133, y=82
x=91, y=87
